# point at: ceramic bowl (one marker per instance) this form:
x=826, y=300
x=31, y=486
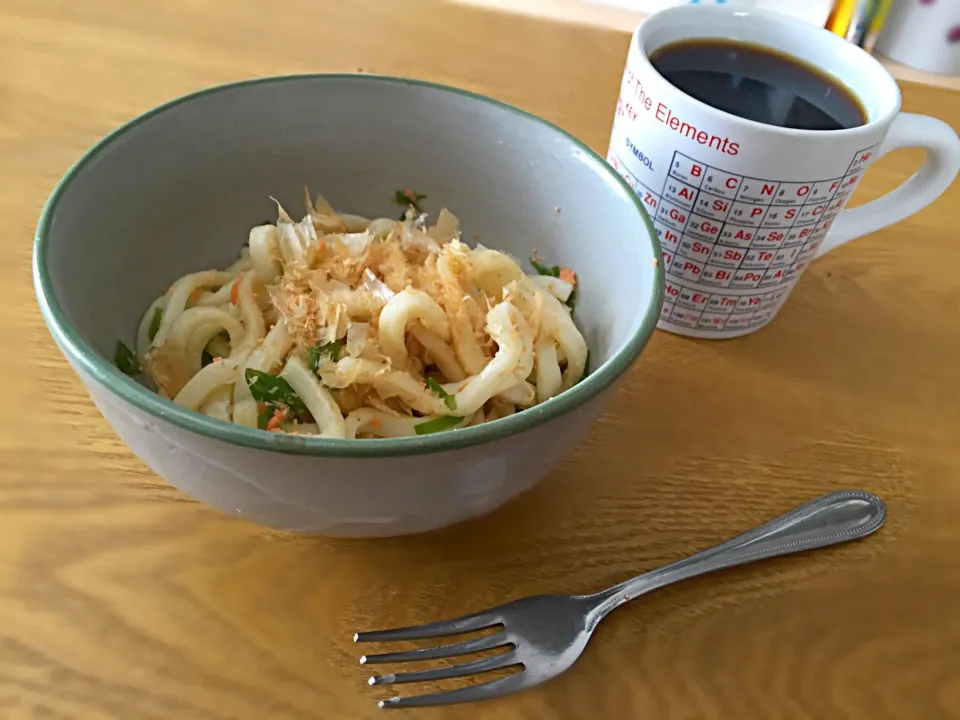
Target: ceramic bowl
x=177, y=190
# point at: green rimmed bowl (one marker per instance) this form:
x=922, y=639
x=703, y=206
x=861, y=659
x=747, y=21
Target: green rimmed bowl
x=177, y=190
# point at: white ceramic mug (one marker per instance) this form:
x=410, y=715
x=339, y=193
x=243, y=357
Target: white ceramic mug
x=742, y=207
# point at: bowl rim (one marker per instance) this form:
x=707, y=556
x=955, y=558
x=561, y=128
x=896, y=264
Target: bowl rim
x=91, y=362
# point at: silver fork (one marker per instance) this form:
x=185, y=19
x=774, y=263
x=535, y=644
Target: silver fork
x=546, y=633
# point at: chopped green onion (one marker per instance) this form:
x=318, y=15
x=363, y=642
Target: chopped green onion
x=437, y=425
x=317, y=355
x=551, y=270
x=405, y=198
x=449, y=400
x=155, y=323
x=125, y=360
x=272, y=389
x=408, y=198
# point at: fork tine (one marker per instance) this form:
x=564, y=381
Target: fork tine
x=469, y=668
x=487, y=642
x=466, y=623
x=482, y=691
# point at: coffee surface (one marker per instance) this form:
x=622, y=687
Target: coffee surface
x=759, y=84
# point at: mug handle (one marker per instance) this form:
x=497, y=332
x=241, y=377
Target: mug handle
x=935, y=175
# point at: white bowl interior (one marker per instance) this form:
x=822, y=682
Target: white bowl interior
x=178, y=190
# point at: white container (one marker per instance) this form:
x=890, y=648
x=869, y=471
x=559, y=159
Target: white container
x=512, y=174
x=924, y=34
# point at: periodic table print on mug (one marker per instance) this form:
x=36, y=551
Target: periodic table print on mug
x=733, y=245
x=741, y=207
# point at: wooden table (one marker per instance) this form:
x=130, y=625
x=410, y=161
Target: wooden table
x=616, y=15
x=121, y=598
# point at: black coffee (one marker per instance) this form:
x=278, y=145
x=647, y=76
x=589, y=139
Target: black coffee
x=758, y=84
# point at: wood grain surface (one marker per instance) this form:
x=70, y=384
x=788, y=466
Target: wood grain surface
x=614, y=15
x=120, y=598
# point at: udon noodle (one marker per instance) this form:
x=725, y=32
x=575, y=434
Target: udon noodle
x=342, y=327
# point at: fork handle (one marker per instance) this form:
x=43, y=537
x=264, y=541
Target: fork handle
x=828, y=520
